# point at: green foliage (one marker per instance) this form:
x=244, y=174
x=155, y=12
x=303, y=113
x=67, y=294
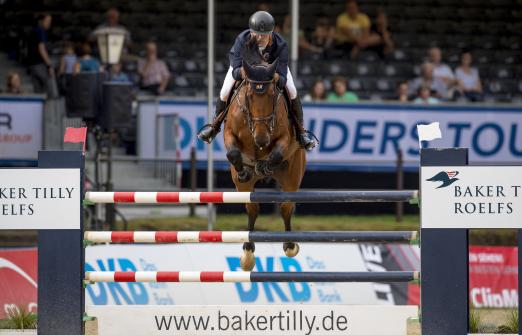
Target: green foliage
x=475, y=321
x=19, y=318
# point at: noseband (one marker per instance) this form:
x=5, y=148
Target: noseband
x=260, y=87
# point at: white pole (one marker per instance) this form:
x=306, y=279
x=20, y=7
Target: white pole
x=294, y=51
x=210, y=76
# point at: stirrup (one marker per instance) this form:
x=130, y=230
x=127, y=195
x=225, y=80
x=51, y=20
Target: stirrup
x=211, y=135
x=314, y=141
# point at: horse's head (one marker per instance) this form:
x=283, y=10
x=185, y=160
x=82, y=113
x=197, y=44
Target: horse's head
x=261, y=99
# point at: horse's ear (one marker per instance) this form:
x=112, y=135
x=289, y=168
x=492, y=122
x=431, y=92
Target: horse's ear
x=248, y=69
x=271, y=69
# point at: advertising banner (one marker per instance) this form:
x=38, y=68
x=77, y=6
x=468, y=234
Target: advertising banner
x=493, y=275
x=21, y=128
x=18, y=280
x=28, y=200
x=471, y=197
x=225, y=257
x=353, y=135
x=275, y=319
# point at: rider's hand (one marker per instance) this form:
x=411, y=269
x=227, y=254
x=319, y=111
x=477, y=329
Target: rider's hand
x=281, y=83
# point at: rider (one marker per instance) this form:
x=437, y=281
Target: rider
x=272, y=46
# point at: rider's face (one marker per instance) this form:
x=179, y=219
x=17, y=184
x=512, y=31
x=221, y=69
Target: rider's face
x=262, y=39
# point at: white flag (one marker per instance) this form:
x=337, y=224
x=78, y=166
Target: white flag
x=429, y=132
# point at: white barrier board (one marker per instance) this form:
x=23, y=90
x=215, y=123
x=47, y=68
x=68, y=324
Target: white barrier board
x=275, y=319
x=471, y=197
x=40, y=199
x=225, y=257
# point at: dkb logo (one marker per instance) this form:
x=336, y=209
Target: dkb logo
x=446, y=177
x=296, y=292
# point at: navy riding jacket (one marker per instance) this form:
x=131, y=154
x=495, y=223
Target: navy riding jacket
x=277, y=49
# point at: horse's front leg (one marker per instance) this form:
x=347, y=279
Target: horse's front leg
x=275, y=159
x=248, y=260
x=243, y=173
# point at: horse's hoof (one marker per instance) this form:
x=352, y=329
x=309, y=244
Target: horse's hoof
x=244, y=175
x=291, y=249
x=247, y=260
x=262, y=169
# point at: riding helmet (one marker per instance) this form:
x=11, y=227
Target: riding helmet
x=262, y=23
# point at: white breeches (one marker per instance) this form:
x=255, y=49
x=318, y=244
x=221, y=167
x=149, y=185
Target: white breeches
x=228, y=83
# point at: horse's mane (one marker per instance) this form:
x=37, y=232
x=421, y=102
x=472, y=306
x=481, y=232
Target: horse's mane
x=251, y=54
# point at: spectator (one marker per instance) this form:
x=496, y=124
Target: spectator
x=424, y=96
x=322, y=38
x=352, y=27
x=117, y=75
x=41, y=66
x=153, y=71
x=86, y=63
x=286, y=31
x=379, y=39
x=441, y=70
x=67, y=60
x=468, y=78
x=112, y=20
x=340, y=94
x=436, y=85
x=317, y=93
x=13, y=84
x=403, y=92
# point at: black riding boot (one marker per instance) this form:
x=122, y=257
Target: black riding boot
x=209, y=131
x=308, y=142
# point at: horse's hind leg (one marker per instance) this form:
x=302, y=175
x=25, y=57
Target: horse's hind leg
x=290, y=180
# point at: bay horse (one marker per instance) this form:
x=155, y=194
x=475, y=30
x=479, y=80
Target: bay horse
x=261, y=142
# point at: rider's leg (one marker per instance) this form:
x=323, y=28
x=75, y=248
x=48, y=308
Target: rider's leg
x=307, y=141
x=209, y=131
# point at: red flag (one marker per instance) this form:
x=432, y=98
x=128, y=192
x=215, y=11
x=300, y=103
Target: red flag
x=75, y=135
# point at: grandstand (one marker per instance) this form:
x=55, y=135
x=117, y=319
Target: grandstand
x=490, y=28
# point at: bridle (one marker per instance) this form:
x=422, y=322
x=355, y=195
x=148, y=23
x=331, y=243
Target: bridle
x=260, y=87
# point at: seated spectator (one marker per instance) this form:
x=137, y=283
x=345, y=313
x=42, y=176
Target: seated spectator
x=424, y=96
x=403, y=92
x=322, y=38
x=67, y=60
x=441, y=70
x=379, y=39
x=436, y=85
x=13, y=84
x=317, y=93
x=340, y=94
x=86, y=62
x=153, y=71
x=286, y=31
x=468, y=78
x=352, y=27
x=117, y=75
